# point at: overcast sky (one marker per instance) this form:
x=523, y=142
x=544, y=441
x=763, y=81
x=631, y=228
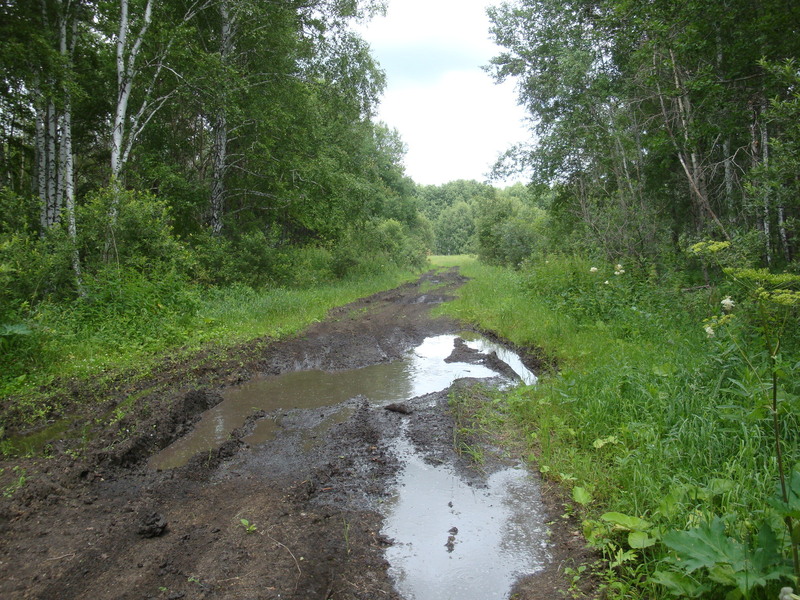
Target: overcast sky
x=452, y=116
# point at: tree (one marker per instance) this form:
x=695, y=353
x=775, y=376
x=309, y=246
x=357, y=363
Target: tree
x=649, y=109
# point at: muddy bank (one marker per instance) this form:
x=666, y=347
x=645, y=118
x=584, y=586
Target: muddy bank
x=295, y=517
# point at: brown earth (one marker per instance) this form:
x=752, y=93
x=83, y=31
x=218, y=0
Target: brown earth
x=92, y=521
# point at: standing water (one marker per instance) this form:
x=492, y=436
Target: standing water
x=453, y=540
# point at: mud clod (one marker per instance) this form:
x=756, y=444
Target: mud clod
x=153, y=525
x=400, y=408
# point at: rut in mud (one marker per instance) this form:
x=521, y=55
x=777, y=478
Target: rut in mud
x=304, y=511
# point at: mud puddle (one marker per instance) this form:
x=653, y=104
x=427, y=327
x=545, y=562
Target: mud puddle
x=454, y=540
x=453, y=537
x=423, y=370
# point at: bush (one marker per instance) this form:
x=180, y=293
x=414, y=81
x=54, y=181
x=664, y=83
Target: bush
x=141, y=236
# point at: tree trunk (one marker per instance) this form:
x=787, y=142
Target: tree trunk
x=66, y=163
x=220, y=159
x=41, y=162
x=126, y=55
x=691, y=164
x=759, y=149
x=53, y=201
x=729, y=175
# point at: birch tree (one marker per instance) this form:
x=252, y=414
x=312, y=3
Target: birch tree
x=141, y=60
x=220, y=127
x=68, y=33
x=125, y=129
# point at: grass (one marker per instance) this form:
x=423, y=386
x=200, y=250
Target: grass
x=135, y=334
x=645, y=413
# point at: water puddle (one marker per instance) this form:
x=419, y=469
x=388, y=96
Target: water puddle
x=422, y=371
x=509, y=357
x=453, y=541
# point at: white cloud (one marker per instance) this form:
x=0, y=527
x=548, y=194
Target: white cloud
x=449, y=112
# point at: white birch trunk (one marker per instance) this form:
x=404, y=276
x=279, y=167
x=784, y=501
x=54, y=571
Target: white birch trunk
x=220, y=158
x=690, y=161
x=126, y=55
x=53, y=201
x=66, y=161
x=767, y=196
x=41, y=162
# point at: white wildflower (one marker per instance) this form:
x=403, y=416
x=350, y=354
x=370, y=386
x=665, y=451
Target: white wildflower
x=787, y=593
x=619, y=271
x=593, y=270
x=619, y=268
x=709, y=331
x=606, y=282
x=728, y=304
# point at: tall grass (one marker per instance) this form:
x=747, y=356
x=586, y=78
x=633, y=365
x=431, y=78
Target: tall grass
x=129, y=324
x=645, y=412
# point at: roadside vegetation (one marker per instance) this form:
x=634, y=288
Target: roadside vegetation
x=662, y=433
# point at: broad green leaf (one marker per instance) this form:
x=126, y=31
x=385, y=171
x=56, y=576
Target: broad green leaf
x=792, y=507
x=581, y=495
x=705, y=546
x=665, y=370
x=717, y=487
x=669, y=504
x=679, y=584
x=626, y=521
x=15, y=329
x=639, y=539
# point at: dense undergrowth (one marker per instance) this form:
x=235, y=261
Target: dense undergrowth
x=659, y=420
x=151, y=292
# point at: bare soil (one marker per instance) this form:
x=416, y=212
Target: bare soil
x=92, y=521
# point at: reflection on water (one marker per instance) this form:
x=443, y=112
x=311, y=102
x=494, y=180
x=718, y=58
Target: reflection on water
x=509, y=357
x=422, y=371
x=458, y=542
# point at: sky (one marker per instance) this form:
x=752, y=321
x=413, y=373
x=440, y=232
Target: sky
x=454, y=119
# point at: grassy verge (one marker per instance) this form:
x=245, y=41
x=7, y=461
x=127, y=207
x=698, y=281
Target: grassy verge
x=72, y=342
x=662, y=435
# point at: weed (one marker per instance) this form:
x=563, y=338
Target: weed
x=248, y=526
x=17, y=484
x=346, y=534
x=574, y=576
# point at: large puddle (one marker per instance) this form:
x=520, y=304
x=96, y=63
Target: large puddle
x=453, y=540
x=422, y=371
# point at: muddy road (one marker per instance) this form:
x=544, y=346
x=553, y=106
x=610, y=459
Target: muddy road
x=308, y=510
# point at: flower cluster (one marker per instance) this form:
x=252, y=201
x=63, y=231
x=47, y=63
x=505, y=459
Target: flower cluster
x=727, y=304
x=714, y=323
x=787, y=593
x=781, y=297
x=709, y=247
x=618, y=270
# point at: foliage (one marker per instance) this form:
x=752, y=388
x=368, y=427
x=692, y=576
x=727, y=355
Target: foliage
x=654, y=121
x=662, y=434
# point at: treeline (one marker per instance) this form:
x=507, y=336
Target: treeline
x=659, y=124
x=203, y=141
x=501, y=226
x=153, y=150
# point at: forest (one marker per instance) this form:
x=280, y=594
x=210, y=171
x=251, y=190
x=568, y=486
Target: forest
x=171, y=168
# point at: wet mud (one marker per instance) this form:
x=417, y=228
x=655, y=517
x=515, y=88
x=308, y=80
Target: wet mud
x=296, y=500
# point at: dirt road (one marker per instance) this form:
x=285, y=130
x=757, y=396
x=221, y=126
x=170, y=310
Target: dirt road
x=277, y=520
